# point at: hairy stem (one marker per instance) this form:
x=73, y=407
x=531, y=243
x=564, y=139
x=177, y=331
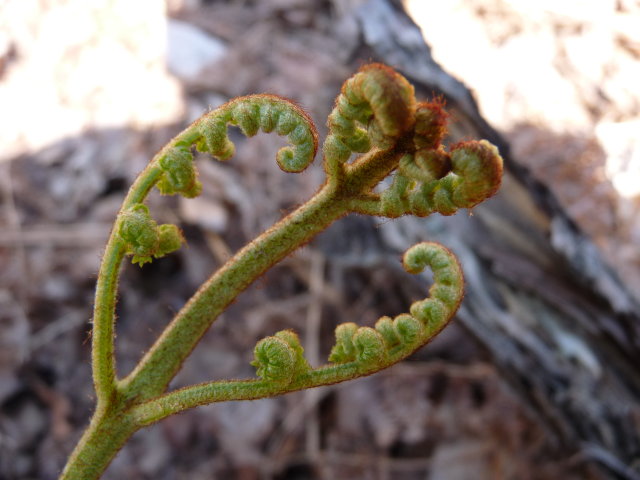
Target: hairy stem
x=102, y=353
x=106, y=292
x=107, y=433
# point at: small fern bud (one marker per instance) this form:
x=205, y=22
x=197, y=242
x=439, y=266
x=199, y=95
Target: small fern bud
x=425, y=254
x=302, y=136
x=403, y=330
x=446, y=292
x=425, y=165
x=370, y=348
x=393, y=200
x=247, y=117
x=269, y=115
x=431, y=124
x=140, y=233
x=335, y=148
x=344, y=351
x=385, y=327
x=431, y=312
x=287, y=121
x=180, y=175
x=442, y=200
x=275, y=360
x=408, y=329
x=291, y=338
x=266, y=112
x=359, y=141
x=390, y=96
x=214, y=139
x=480, y=166
x=170, y=240
x=375, y=108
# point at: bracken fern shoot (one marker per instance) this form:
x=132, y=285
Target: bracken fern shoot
x=376, y=129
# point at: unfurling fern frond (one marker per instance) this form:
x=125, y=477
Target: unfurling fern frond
x=376, y=129
x=363, y=350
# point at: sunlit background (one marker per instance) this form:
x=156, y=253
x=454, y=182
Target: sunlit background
x=563, y=77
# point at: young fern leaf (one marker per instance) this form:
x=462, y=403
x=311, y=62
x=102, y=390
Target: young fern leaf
x=374, y=108
x=375, y=117
x=280, y=358
x=393, y=339
x=261, y=112
x=180, y=175
x=144, y=238
x=364, y=350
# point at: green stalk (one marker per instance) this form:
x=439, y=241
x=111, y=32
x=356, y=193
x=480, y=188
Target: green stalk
x=107, y=433
x=429, y=180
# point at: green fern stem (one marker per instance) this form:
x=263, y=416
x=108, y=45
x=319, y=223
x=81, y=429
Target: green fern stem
x=376, y=118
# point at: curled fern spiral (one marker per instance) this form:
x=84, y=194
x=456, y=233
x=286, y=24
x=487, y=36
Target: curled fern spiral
x=364, y=350
x=268, y=113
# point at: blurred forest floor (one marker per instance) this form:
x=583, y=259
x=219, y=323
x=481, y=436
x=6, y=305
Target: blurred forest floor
x=86, y=100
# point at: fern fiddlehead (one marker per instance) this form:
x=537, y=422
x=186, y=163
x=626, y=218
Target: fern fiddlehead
x=371, y=349
x=373, y=110
x=144, y=238
x=268, y=113
x=376, y=129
